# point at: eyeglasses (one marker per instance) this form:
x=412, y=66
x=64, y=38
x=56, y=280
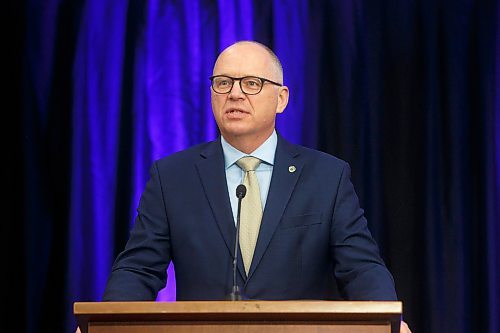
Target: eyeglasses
x=250, y=85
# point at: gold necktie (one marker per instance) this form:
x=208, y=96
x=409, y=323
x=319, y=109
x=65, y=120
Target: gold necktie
x=251, y=210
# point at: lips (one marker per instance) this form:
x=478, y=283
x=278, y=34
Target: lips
x=236, y=111
x=236, y=114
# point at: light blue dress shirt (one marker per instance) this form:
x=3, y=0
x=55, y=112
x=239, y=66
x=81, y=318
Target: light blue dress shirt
x=234, y=174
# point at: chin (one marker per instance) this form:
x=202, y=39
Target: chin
x=236, y=131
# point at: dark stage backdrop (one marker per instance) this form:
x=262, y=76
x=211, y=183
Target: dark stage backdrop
x=408, y=92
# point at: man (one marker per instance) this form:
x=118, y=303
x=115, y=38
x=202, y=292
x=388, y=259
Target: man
x=310, y=239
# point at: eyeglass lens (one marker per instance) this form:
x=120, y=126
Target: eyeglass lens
x=249, y=85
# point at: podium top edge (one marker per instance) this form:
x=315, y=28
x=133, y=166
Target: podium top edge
x=211, y=307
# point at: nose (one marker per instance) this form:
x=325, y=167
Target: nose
x=236, y=92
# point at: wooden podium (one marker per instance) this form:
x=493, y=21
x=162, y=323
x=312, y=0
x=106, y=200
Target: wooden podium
x=240, y=316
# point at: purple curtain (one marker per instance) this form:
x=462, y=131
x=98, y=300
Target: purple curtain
x=407, y=92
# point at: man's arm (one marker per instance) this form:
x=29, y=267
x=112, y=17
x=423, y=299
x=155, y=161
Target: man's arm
x=358, y=267
x=139, y=272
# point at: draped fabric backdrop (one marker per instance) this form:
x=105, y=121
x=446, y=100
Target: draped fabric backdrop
x=408, y=92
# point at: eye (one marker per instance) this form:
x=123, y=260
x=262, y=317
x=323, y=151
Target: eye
x=223, y=82
x=253, y=83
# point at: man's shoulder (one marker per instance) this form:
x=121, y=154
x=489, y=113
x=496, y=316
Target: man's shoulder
x=316, y=155
x=190, y=154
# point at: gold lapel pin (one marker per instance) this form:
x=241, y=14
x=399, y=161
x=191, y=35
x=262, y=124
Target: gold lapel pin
x=292, y=168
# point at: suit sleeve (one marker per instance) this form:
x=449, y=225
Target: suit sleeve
x=360, y=271
x=139, y=272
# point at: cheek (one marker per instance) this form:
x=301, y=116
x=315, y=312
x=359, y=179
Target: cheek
x=217, y=104
x=268, y=108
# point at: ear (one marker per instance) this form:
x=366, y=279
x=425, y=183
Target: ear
x=282, y=99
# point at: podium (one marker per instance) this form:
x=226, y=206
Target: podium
x=239, y=316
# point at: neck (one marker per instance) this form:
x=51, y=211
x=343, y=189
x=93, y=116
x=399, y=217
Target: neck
x=246, y=144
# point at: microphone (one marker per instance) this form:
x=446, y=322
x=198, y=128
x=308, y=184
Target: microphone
x=235, y=294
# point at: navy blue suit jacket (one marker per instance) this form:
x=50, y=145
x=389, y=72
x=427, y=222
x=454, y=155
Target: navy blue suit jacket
x=313, y=243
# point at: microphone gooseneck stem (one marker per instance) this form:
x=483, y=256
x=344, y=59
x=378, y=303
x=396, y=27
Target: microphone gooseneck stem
x=235, y=294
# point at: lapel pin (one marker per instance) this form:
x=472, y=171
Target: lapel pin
x=292, y=168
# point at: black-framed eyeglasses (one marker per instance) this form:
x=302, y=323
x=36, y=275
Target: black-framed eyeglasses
x=250, y=85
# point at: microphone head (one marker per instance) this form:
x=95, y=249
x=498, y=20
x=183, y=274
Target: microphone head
x=241, y=191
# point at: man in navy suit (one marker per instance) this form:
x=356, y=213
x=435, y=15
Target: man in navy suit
x=313, y=241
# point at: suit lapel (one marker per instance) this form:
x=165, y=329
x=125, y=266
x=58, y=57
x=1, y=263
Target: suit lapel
x=286, y=171
x=213, y=178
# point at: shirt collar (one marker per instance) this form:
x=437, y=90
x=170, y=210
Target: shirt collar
x=265, y=152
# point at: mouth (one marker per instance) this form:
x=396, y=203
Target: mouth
x=236, y=111
x=236, y=114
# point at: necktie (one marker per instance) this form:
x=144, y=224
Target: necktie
x=251, y=210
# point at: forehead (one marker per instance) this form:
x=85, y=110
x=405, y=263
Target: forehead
x=244, y=59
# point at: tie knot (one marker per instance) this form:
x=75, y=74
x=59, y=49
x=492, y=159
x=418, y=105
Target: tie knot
x=248, y=163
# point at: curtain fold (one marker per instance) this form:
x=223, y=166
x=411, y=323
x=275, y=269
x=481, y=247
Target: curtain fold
x=97, y=79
